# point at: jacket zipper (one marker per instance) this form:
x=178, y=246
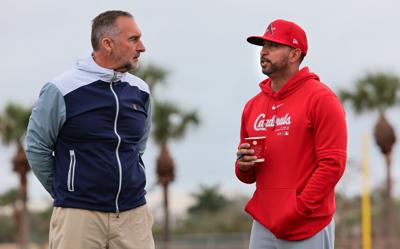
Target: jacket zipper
x=71, y=171
x=119, y=142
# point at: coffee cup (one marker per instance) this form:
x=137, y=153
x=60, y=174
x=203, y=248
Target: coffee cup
x=258, y=145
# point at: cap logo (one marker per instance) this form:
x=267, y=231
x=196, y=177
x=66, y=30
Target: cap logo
x=295, y=41
x=270, y=29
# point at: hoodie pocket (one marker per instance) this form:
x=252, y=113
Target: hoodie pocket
x=71, y=171
x=278, y=207
x=286, y=218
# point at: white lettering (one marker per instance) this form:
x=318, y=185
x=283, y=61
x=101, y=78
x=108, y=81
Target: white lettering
x=261, y=123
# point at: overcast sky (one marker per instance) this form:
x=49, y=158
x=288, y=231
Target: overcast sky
x=212, y=68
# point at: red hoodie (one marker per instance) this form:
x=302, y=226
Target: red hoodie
x=305, y=155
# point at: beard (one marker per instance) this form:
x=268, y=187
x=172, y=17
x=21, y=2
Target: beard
x=125, y=67
x=268, y=68
x=124, y=64
x=272, y=68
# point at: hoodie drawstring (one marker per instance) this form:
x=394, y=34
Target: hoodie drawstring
x=275, y=110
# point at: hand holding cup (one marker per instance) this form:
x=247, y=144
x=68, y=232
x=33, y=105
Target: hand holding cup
x=250, y=153
x=245, y=157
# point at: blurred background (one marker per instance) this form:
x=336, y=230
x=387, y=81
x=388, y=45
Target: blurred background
x=202, y=71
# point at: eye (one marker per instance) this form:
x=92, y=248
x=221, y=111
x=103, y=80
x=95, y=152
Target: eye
x=274, y=45
x=134, y=38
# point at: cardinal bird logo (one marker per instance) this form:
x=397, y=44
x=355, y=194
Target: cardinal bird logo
x=270, y=29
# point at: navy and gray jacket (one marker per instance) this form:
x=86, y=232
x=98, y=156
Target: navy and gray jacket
x=86, y=135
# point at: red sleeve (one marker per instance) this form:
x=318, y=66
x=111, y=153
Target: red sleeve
x=330, y=140
x=244, y=176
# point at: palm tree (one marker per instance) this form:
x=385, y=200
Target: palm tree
x=152, y=74
x=11, y=198
x=208, y=200
x=169, y=123
x=378, y=92
x=13, y=123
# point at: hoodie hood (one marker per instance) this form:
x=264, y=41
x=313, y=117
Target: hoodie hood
x=290, y=86
x=89, y=65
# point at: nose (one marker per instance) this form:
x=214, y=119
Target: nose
x=264, y=51
x=140, y=47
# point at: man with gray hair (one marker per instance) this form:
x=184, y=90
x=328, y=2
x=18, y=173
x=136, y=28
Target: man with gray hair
x=85, y=139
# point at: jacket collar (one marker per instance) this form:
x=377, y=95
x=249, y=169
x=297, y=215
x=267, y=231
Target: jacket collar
x=105, y=74
x=290, y=86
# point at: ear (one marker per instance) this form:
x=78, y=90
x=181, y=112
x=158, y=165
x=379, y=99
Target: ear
x=295, y=55
x=107, y=44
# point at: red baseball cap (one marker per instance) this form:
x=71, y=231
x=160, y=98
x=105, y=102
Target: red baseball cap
x=283, y=32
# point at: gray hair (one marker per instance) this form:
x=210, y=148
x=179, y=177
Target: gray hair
x=105, y=24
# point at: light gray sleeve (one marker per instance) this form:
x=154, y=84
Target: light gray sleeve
x=47, y=118
x=143, y=140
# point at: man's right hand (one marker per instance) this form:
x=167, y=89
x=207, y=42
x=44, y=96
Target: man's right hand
x=245, y=157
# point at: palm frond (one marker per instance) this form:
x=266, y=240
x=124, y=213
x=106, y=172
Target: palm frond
x=186, y=119
x=152, y=74
x=375, y=91
x=162, y=125
x=170, y=122
x=13, y=122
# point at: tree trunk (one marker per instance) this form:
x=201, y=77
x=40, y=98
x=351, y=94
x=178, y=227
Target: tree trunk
x=24, y=228
x=385, y=138
x=21, y=167
x=389, y=214
x=166, y=238
x=165, y=174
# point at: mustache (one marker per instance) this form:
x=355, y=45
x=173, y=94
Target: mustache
x=263, y=59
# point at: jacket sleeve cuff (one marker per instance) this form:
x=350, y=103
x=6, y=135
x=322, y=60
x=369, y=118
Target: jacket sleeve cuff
x=245, y=176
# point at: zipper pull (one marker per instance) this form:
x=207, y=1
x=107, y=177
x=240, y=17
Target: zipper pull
x=114, y=78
